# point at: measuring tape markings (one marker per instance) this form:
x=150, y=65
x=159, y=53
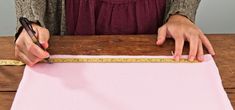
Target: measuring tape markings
x=101, y=60
x=11, y=63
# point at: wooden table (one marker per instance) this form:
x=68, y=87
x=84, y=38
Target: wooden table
x=10, y=76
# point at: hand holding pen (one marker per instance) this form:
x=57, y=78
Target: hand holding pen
x=31, y=44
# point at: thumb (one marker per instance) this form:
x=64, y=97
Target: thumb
x=43, y=37
x=161, y=35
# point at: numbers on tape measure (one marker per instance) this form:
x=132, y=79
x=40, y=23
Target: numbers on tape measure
x=102, y=60
x=11, y=63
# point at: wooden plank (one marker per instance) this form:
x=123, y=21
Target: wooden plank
x=10, y=77
x=231, y=95
x=6, y=99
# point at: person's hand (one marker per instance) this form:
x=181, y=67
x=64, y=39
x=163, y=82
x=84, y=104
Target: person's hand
x=27, y=51
x=182, y=29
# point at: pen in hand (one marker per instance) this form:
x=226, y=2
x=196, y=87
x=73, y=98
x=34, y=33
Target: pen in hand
x=29, y=29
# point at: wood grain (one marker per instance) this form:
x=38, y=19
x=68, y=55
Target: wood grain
x=10, y=76
x=6, y=99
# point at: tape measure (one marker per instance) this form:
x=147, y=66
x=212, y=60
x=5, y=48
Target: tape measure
x=11, y=63
x=101, y=60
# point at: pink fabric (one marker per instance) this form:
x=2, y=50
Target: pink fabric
x=114, y=16
x=122, y=86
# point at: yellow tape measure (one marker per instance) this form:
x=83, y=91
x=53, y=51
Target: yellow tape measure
x=11, y=63
x=101, y=60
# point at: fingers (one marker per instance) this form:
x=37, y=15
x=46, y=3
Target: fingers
x=207, y=44
x=30, y=47
x=179, y=44
x=36, y=51
x=24, y=58
x=28, y=56
x=179, y=25
x=200, y=52
x=193, y=40
x=27, y=59
x=27, y=51
x=161, y=35
x=44, y=37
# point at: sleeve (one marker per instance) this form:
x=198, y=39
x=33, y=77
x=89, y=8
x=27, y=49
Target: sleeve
x=34, y=10
x=47, y=13
x=187, y=8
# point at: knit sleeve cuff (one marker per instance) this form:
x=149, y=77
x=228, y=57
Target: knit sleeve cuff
x=187, y=8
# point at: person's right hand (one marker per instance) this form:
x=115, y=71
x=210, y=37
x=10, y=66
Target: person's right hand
x=27, y=51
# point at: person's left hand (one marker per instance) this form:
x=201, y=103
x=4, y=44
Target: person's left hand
x=181, y=29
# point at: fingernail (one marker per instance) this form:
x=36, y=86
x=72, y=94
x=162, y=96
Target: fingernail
x=30, y=64
x=41, y=42
x=47, y=54
x=177, y=58
x=157, y=42
x=213, y=53
x=191, y=58
x=201, y=58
